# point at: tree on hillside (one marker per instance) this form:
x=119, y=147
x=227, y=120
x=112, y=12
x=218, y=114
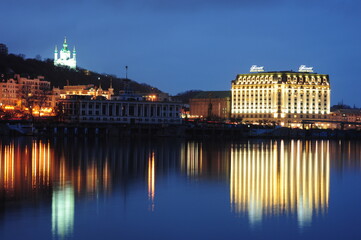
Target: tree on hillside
x=58, y=76
x=185, y=96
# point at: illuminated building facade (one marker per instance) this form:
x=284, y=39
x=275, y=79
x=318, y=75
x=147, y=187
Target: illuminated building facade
x=64, y=58
x=285, y=97
x=13, y=89
x=346, y=118
x=86, y=90
x=211, y=104
x=346, y=115
x=84, y=109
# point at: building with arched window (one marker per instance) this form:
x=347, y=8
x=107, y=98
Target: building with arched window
x=284, y=97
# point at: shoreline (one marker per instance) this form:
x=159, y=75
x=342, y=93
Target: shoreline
x=183, y=131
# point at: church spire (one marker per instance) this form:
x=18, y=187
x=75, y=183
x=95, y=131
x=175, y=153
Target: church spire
x=110, y=89
x=55, y=53
x=65, y=45
x=74, y=53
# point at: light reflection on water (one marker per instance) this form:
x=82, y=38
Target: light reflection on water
x=151, y=180
x=275, y=178
x=265, y=179
x=62, y=215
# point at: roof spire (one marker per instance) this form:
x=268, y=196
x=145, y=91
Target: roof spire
x=65, y=45
x=56, y=48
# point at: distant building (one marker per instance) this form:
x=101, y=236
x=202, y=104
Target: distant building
x=64, y=58
x=89, y=90
x=84, y=109
x=15, y=91
x=3, y=49
x=211, y=104
x=285, y=97
x=157, y=97
x=346, y=115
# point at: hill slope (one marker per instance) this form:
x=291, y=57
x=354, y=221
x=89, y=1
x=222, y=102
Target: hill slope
x=61, y=76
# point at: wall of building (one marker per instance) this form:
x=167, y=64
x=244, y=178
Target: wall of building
x=12, y=90
x=285, y=97
x=210, y=107
x=82, y=109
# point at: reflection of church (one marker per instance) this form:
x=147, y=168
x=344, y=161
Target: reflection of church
x=64, y=57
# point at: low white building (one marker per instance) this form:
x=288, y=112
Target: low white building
x=82, y=109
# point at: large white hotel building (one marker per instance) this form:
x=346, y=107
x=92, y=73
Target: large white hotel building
x=284, y=97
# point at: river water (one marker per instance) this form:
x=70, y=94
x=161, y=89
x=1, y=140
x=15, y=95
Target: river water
x=86, y=188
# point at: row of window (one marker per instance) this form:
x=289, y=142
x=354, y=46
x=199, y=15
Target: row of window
x=130, y=113
x=127, y=119
x=266, y=87
x=98, y=105
x=288, y=116
x=289, y=95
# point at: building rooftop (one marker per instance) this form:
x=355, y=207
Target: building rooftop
x=277, y=72
x=348, y=111
x=212, y=94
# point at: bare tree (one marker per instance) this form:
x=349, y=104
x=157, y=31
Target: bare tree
x=59, y=111
x=42, y=97
x=33, y=97
x=28, y=98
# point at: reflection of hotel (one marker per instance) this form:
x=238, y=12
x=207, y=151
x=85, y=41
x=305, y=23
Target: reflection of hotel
x=273, y=179
x=283, y=97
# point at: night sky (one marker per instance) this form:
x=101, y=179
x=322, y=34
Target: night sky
x=194, y=44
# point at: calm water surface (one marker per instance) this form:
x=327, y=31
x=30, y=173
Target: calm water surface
x=79, y=188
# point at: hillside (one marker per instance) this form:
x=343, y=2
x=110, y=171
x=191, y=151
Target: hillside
x=60, y=76
x=185, y=96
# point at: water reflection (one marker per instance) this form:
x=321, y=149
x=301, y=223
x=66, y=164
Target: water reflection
x=264, y=178
x=63, y=211
x=205, y=159
x=192, y=158
x=151, y=180
x=273, y=178
x=25, y=167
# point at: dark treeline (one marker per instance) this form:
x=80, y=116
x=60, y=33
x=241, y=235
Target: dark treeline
x=185, y=96
x=60, y=76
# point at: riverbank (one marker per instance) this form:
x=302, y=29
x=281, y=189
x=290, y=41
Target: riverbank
x=185, y=131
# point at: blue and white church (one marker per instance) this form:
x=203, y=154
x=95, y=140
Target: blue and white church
x=65, y=58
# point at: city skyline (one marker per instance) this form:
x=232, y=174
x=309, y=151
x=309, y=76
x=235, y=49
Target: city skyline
x=183, y=45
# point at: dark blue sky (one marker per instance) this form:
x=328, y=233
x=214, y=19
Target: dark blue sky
x=194, y=44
